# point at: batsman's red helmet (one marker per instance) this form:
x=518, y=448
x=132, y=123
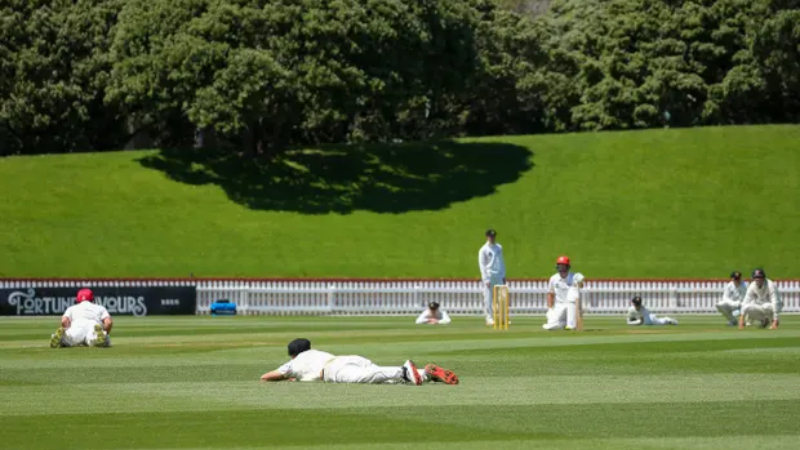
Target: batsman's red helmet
x=563, y=260
x=84, y=295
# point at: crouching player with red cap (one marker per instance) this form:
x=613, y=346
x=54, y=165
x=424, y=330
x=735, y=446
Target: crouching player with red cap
x=563, y=297
x=84, y=324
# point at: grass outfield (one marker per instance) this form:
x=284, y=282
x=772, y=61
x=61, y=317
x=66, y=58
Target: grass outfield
x=687, y=203
x=192, y=383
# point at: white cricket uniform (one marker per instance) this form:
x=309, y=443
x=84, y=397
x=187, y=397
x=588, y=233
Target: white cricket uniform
x=761, y=303
x=644, y=317
x=562, y=314
x=83, y=317
x=731, y=301
x=315, y=365
x=440, y=315
x=493, y=272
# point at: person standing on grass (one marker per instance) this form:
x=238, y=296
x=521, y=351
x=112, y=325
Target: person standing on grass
x=639, y=315
x=83, y=324
x=762, y=302
x=433, y=315
x=732, y=298
x=315, y=365
x=493, y=271
x=561, y=304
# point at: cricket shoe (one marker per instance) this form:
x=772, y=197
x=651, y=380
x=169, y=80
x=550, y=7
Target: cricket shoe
x=411, y=374
x=673, y=322
x=101, y=336
x=55, y=338
x=439, y=374
x=489, y=322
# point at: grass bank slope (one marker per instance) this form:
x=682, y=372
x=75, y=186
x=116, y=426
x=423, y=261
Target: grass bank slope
x=660, y=203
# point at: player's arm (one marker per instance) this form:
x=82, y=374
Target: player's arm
x=551, y=295
x=633, y=319
x=503, y=266
x=65, y=322
x=775, y=299
x=747, y=299
x=107, y=324
x=274, y=375
x=423, y=318
x=483, y=267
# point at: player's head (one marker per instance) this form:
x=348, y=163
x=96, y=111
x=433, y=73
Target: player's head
x=736, y=276
x=491, y=234
x=433, y=306
x=636, y=302
x=563, y=265
x=84, y=295
x=759, y=276
x=298, y=346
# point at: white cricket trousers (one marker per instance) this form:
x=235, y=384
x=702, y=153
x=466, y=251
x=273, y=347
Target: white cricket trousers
x=652, y=319
x=357, y=369
x=487, y=295
x=80, y=332
x=560, y=316
x=727, y=309
x=754, y=313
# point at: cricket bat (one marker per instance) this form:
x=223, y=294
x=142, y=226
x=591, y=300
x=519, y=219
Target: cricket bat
x=579, y=314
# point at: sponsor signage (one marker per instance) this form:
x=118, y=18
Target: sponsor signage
x=119, y=301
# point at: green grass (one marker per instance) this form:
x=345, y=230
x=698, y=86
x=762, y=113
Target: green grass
x=660, y=203
x=192, y=383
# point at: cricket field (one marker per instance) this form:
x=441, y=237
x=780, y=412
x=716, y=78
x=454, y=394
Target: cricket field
x=193, y=383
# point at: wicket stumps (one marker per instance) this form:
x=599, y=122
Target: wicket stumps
x=500, y=305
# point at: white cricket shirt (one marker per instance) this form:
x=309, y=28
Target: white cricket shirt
x=734, y=292
x=490, y=261
x=86, y=311
x=306, y=366
x=561, y=286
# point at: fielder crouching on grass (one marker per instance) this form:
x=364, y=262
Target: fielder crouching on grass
x=315, y=365
x=83, y=324
x=762, y=302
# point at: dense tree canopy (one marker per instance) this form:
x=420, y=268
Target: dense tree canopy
x=261, y=75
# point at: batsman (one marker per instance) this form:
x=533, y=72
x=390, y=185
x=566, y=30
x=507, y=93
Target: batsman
x=563, y=298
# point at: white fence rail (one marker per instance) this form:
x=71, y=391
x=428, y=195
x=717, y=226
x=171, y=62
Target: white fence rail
x=462, y=297
x=528, y=297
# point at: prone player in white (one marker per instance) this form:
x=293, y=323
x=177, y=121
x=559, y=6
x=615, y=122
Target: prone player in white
x=561, y=305
x=315, y=365
x=762, y=302
x=83, y=324
x=493, y=271
x=433, y=315
x=732, y=298
x=639, y=315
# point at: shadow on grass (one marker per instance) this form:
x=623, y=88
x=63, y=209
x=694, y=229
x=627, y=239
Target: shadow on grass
x=342, y=179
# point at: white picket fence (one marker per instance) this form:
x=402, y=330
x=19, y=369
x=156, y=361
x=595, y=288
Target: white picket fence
x=354, y=297
x=528, y=297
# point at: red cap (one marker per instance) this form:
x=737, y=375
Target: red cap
x=563, y=260
x=84, y=295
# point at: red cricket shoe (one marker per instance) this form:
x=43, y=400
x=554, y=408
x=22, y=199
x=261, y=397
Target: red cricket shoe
x=439, y=374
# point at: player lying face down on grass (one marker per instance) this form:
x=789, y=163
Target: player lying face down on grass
x=762, y=302
x=639, y=315
x=315, y=365
x=433, y=315
x=83, y=324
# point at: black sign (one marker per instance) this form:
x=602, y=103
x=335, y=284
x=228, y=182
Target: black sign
x=119, y=301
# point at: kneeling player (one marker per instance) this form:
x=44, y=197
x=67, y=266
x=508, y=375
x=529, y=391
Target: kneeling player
x=315, y=365
x=639, y=315
x=83, y=324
